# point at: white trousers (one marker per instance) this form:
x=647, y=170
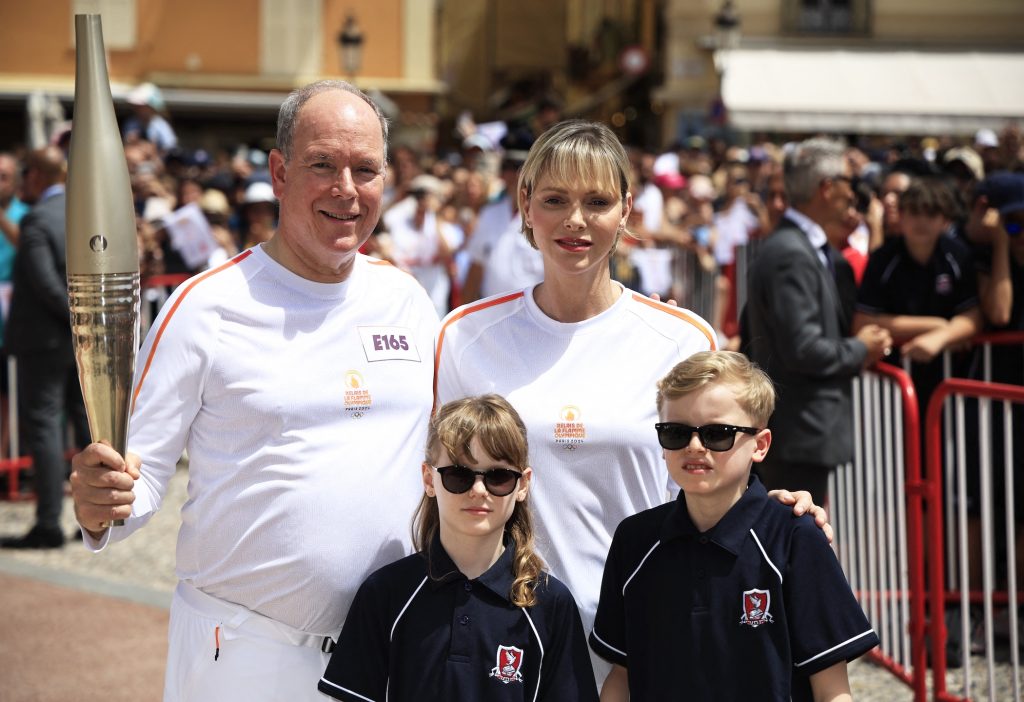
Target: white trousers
x=222, y=651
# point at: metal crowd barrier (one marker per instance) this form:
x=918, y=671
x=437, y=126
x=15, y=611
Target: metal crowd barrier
x=958, y=595
x=878, y=530
x=13, y=463
x=694, y=286
x=896, y=523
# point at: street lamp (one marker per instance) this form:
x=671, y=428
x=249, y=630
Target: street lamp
x=727, y=26
x=350, y=47
x=727, y=34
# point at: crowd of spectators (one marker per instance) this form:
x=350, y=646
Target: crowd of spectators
x=451, y=218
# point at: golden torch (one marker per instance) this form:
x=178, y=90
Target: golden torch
x=102, y=250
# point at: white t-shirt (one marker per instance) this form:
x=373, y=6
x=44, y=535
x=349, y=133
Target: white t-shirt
x=304, y=408
x=734, y=226
x=586, y=392
x=417, y=251
x=499, y=245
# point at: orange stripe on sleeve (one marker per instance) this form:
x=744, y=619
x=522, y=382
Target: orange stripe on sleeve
x=163, y=325
x=681, y=314
x=467, y=310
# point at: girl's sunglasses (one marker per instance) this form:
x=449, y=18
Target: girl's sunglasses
x=714, y=437
x=498, y=481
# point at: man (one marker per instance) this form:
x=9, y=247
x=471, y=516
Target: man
x=298, y=376
x=39, y=335
x=795, y=322
x=147, y=102
x=501, y=258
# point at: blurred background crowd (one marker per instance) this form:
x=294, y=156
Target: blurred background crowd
x=452, y=221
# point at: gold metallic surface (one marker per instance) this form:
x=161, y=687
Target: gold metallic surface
x=105, y=332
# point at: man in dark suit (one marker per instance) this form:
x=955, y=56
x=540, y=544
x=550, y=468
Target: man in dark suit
x=39, y=336
x=795, y=322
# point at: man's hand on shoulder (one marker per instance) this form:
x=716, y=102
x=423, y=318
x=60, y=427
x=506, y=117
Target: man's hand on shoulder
x=803, y=503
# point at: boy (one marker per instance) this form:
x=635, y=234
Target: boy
x=722, y=594
x=922, y=286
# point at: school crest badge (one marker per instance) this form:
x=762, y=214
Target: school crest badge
x=755, y=608
x=510, y=660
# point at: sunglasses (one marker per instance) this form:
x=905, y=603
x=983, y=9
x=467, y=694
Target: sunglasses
x=498, y=481
x=1014, y=227
x=714, y=437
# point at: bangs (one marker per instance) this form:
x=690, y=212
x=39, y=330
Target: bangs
x=580, y=163
x=499, y=432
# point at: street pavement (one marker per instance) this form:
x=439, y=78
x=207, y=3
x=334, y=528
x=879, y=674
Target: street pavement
x=81, y=626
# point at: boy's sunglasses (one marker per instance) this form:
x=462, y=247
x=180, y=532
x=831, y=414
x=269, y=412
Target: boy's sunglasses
x=714, y=437
x=498, y=481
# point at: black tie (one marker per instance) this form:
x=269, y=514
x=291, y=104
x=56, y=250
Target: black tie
x=830, y=264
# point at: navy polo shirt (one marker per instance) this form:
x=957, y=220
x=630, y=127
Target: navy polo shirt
x=745, y=611
x=418, y=629
x=894, y=283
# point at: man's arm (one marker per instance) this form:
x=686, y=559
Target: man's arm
x=790, y=299
x=36, y=254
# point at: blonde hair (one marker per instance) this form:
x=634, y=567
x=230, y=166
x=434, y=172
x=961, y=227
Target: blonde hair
x=502, y=434
x=575, y=151
x=754, y=391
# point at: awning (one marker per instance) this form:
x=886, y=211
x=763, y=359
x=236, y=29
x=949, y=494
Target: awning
x=895, y=92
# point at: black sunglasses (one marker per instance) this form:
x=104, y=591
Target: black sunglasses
x=714, y=437
x=459, y=479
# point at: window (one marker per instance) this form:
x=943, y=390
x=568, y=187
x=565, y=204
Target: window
x=117, y=17
x=826, y=16
x=290, y=37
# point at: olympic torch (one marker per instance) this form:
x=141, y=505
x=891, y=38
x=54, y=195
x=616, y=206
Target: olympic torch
x=102, y=250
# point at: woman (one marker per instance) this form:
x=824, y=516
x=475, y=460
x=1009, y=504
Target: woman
x=578, y=355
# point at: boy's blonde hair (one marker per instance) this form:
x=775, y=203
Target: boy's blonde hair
x=755, y=393
x=502, y=434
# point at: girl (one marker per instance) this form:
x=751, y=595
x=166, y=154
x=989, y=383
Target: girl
x=472, y=616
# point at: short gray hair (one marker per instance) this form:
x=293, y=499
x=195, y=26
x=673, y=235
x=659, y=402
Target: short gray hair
x=809, y=163
x=291, y=106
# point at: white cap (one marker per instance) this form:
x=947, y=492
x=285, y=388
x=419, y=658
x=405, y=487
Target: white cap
x=666, y=163
x=986, y=138
x=259, y=192
x=146, y=94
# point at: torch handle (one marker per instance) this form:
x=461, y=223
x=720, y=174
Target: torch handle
x=105, y=333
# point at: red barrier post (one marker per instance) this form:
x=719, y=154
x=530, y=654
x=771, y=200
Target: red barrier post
x=933, y=488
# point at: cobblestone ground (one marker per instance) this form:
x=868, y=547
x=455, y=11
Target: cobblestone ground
x=146, y=560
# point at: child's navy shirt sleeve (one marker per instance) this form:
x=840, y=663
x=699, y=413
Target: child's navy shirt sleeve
x=608, y=639
x=871, y=294
x=358, y=669
x=568, y=674
x=826, y=623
